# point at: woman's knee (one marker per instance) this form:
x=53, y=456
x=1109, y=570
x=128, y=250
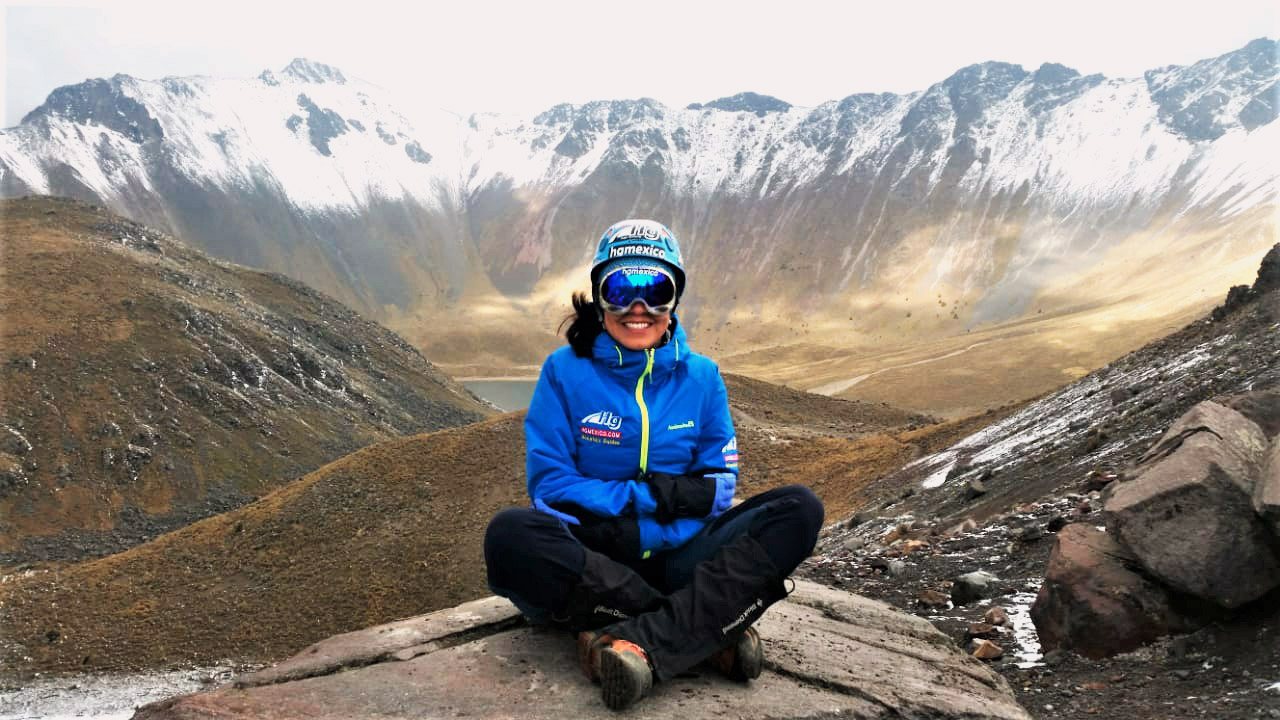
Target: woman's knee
x=808, y=509
x=521, y=541
x=532, y=560
x=505, y=530
x=789, y=531
x=801, y=508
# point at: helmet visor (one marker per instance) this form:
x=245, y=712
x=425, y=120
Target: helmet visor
x=622, y=287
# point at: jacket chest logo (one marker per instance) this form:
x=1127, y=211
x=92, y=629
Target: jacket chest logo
x=602, y=426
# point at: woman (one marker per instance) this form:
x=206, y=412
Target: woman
x=631, y=460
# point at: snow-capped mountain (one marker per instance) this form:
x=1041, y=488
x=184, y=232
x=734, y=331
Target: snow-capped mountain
x=992, y=193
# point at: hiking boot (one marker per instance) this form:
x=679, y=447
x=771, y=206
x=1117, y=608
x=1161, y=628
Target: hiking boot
x=743, y=660
x=590, y=643
x=625, y=675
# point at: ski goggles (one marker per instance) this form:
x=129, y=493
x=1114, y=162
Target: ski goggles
x=652, y=286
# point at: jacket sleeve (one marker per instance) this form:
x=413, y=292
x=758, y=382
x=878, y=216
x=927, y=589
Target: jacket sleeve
x=718, y=443
x=551, y=458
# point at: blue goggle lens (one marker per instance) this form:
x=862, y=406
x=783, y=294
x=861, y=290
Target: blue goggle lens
x=653, y=287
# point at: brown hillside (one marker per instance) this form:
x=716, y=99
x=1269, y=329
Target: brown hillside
x=389, y=531
x=144, y=386
x=760, y=404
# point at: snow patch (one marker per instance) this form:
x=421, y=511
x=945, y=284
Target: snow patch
x=1024, y=630
x=106, y=697
x=943, y=462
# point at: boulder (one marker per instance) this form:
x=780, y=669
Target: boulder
x=1262, y=407
x=1189, y=515
x=1094, y=600
x=1267, y=494
x=828, y=653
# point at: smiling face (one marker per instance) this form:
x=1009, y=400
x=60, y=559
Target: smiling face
x=637, y=329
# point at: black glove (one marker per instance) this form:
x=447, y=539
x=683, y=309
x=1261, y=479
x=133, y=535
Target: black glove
x=617, y=537
x=681, y=495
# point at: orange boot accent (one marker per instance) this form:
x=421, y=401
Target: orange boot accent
x=625, y=675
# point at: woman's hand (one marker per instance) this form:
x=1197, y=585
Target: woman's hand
x=694, y=496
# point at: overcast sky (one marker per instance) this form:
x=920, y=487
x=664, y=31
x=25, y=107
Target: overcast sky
x=526, y=56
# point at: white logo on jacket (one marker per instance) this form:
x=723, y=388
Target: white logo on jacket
x=604, y=418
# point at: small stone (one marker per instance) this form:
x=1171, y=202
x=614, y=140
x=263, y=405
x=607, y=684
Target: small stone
x=1097, y=480
x=11, y=473
x=137, y=454
x=854, y=543
x=996, y=616
x=985, y=650
x=13, y=442
x=857, y=519
x=932, y=598
x=974, y=488
x=896, y=568
x=911, y=546
x=1030, y=533
x=1095, y=686
x=145, y=435
x=896, y=533
x=1054, y=657
x=973, y=586
x=981, y=630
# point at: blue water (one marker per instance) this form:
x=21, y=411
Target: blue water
x=506, y=394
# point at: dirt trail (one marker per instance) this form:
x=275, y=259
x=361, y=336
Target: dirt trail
x=839, y=386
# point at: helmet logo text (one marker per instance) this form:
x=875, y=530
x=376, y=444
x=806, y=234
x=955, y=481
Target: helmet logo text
x=647, y=250
x=637, y=232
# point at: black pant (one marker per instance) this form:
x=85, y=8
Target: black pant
x=680, y=605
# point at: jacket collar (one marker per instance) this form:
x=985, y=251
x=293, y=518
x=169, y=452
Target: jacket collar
x=631, y=363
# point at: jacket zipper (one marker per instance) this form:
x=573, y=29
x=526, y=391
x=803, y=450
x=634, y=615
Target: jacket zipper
x=644, y=424
x=644, y=412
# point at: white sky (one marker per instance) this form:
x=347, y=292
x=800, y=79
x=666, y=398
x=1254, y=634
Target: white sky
x=526, y=56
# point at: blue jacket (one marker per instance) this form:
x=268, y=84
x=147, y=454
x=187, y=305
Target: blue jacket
x=595, y=424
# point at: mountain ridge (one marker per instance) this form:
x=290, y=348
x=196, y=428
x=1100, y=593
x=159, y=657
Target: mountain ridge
x=998, y=191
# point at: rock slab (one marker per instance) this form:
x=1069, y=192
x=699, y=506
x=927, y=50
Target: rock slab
x=828, y=653
x=1189, y=516
x=1095, y=602
x=1267, y=497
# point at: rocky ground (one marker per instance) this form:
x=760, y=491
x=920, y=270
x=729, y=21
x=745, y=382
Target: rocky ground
x=994, y=501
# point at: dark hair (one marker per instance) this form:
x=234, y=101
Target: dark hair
x=584, y=325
